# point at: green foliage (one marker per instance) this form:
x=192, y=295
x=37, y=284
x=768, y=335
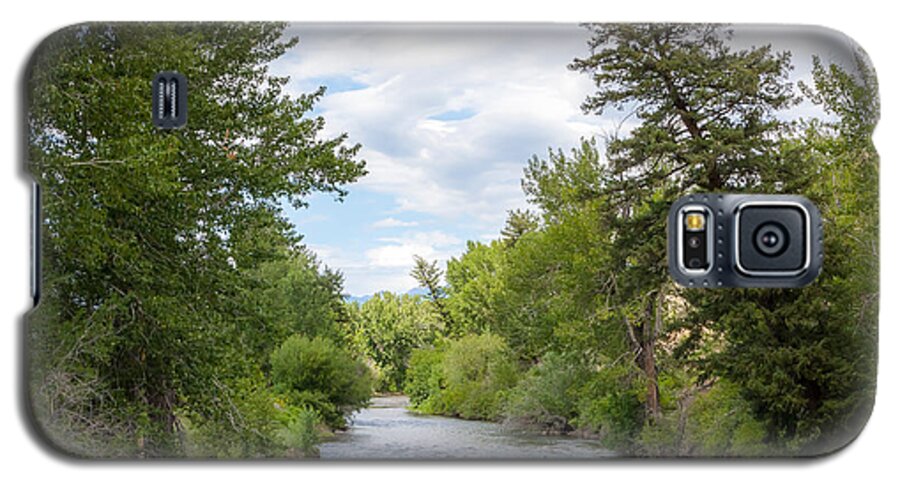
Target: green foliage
x=477, y=370
x=611, y=405
x=721, y=423
x=292, y=295
x=318, y=374
x=425, y=380
x=387, y=328
x=251, y=419
x=707, y=111
x=477, y=298
x=518, y=223
x=300, y=436
x=151, y=237
x=547, y=396
x=659, y=438
x=467, y=379
x=429, y=276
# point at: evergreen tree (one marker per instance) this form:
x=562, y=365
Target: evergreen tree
x=706, y=122
x=429, y=276
x=518, y=222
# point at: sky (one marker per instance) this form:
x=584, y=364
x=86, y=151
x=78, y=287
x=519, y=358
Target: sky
x=447, y=117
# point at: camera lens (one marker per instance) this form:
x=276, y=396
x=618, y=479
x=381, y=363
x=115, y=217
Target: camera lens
x=770, y=239
x=694, y=242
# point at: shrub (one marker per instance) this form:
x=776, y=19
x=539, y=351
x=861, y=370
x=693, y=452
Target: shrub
x=242, y=423
x=721, y=423
x=424, y=380
x=299, y=435
x=547, y=397
x=477, y=370
x=610, y=405
x=660, y=438
x=318, y=374
x=468, y=378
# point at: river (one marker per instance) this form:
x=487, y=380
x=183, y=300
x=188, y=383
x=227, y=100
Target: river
x=386, y=430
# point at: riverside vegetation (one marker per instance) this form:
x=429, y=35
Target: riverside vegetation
x=184, y=317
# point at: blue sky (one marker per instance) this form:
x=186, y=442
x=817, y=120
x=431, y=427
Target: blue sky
x=447, y=116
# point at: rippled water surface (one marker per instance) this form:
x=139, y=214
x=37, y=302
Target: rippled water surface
x=386, y=430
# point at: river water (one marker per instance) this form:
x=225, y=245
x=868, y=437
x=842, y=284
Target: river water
x=386, y=430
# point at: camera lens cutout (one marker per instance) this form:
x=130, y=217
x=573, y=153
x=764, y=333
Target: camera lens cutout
x=771, y=239
x=744, y=241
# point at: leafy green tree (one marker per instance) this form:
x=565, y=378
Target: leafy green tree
x=317, y=373
x=425, y=379
x=386, y=328
x=149, y=235
x=467, y=377
x=476, y=297
x=706, y=121
x=292, y=295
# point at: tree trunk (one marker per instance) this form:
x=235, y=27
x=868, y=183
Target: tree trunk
x=648, y=357
x=643, y=337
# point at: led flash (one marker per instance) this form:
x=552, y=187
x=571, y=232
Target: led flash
x=695, y=221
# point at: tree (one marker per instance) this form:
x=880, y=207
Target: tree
x=429, y=276
x=518, y=222
x=805, y=358
x=317, y=373
x=295, y=294
x=476, y=288
x=706, y=121
x=149, y=235
x=386, y=328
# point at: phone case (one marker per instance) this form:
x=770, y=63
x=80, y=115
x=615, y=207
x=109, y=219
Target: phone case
x=427, y=241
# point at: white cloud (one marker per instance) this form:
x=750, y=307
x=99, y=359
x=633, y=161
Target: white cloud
x=386, y=265
x=434, y=245
x=448, y=115
x=393, y=223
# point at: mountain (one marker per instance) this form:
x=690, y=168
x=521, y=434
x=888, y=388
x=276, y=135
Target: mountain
x=361, y=299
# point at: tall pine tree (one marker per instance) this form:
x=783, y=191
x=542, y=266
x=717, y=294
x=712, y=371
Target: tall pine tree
x=705, y=121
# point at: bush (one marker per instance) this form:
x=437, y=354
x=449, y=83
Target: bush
x=721, y=423
x=316, y=373
x=610, y=405
x=661, y=437
x=242, y=423
x=424, y=380
x=299, y=435
x=467, y=379
x=477, y=370
x=547, y=397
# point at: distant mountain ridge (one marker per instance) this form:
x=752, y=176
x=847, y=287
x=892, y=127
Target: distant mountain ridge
x=361, y=299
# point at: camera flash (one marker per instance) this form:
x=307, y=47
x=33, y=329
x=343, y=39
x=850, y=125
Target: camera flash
x=694, y=221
